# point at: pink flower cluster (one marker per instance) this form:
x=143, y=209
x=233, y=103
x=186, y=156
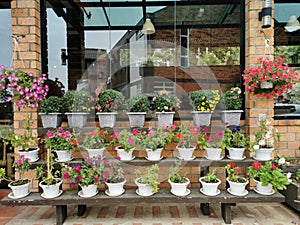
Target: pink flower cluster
x=27, y=89
x=280, y=74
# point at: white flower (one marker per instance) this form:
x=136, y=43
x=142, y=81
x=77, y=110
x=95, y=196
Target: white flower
x=281, y=161
x=262, y=142
x=289, y=175
x=166, y=107
x=16, y=137
x=268, y=134
x=256, y=147
x=268, y=122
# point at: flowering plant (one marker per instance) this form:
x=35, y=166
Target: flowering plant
x=113, y=172
x=139, y=103
x=78, y=101
x=266, y=136
x=109, y=100
x=22, y=165
x=232, y=171
x=60, y=140
x=84, y=174
x=235, y=138
x=166, y=102
x=232, y=99
x=204, y=100
x=27, y=89
x=126, y=139
x=157, y=137
x=186, y=135
x=95, y=139
x=268, y=174
x=203, y=138
x=279, y=74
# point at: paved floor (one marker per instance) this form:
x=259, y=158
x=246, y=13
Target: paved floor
x=151, y=214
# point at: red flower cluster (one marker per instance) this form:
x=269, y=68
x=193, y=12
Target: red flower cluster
x=276, y=72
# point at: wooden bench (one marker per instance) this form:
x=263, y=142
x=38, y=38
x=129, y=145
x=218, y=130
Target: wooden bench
x=163, y=196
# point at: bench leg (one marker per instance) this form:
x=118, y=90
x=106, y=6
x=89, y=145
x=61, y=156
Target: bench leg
x=61, y=214
x=205, y=209
x=226, y=212
x=81, y=210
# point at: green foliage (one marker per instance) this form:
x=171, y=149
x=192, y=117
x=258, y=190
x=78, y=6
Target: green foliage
x=139, y=103
x=166, y=102
x=298, y=175
x=150, y=177
x=53, y=104
x=126, y=139
x=109, y=101
x=231, y=170
x=113, y=172
x=78, y=101
x=95, y=139
x=293, y=96
x=204, y=100
x=203, y=138
x=268, y=174
x=234, y=138
x=211, y=177
x=176, y=174
x=232, y=99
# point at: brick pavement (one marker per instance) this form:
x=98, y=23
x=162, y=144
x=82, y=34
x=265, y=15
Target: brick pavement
x=151, y=214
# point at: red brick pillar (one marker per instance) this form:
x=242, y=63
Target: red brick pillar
x=255, y=48
x=26, y=28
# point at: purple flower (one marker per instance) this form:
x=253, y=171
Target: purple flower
x=130, y=140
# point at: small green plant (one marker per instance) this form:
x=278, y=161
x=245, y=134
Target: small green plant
x=231, y=170
x=109, y=101
x=139, y=103
x=150, y=177
x=78, y=101
x=204, y=100
x=211, y=177
x=232, y=99
x=176, y=173
x=53, y=104
x=234, y=138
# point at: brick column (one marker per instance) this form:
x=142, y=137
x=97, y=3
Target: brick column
x=26, y=26
x=255, y=48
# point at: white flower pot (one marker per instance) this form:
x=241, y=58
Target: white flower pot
x=186, y=153
x=115, y=189
x=210, y=189
x=263, y=190
x=52, y=190
x=213, y=153
x=51, y=120
x=236, y=188
x=263, y=154
x=107, y=119
x=165, y=118
x=77, y=119
x=201, y=118
x=143, y=189
x=125, y=156
x=19, y=191
x=63, y=156
x=31, y=154
x=88, y=191
x=236, y=153
x=154, y=155
x=136, y=119
x=95, y=152
x=179, y=189
x=232, y=117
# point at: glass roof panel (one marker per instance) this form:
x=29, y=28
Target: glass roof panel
x=97, y=18
x=124, y=16
x=284, y=11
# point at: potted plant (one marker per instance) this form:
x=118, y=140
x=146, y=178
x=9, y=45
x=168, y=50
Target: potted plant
x=270, y=79
x=235, y=142
x=51, y=182
x=232, y=101
x=187, y=137
x=107, y=104
x=165, y=106
x=51, y=111
x=210, y=183
x=147, y=181
x=137, y=107
x=178, y=180
x=265, y=139
x=95, y=142
x=85, y=176
x=62, y=142
x=268, y=178
x=20, y=187
x=26, y=143
x=127, y=141
x=114, y=177
x=215, y=143
x=237, y=184
x=155, y=139
x=204, y=103
x=78, y=107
